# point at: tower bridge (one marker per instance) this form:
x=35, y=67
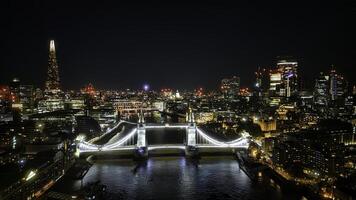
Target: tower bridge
x=135, y=140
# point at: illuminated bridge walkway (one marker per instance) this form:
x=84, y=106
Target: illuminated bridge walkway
x=135, y=140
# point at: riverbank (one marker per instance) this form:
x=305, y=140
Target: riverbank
x=254, y=170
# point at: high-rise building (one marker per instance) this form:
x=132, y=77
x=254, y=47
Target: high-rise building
x=4, y=93
x=15, y=90
x=4, y=98
x=321, y=94
x=27, y=97
x=54, y=97
x=230, y=87
x=337, y=85
x=288, y=67
x=52, y=82
x=275, y=81
x=262, y=81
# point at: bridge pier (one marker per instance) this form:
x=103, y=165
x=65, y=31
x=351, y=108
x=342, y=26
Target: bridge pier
x=191, y=152
x=141, y=153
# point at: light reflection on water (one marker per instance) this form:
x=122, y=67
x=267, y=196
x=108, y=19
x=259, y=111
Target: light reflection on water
x=180, y=178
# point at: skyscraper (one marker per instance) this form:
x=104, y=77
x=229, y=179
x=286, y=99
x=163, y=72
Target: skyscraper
x=337, y=85
x=230, y=86
x=52, y=82
x=15, y=90
x=288, y=68
x=275, y=80
x=321, y=90
x=262, y=81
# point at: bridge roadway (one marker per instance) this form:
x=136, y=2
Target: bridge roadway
x=129, y=143
x=163, y=149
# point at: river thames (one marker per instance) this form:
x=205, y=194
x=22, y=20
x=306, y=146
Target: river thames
x=179, y=178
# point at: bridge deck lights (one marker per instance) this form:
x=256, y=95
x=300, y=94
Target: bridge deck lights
x=208, y=141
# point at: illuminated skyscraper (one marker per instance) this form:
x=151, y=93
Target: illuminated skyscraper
x=15, y=90
x=321, y=90
x=262, y=81
x=337, y=85
x=275, y=83
x=230, y=86
x=288, y=68
x=52, y=82
x=275, y=80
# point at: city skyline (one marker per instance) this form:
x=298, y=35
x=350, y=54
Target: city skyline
x=175, y=43
x=215, y=100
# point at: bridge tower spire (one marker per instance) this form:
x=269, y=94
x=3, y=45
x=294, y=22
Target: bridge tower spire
x=141, y=117
x=190, y=116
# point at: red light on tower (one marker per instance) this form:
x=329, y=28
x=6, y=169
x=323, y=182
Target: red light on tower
x=89, y=89
x=199, y=92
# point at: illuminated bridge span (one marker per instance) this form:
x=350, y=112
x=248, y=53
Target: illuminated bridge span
x=135, y=139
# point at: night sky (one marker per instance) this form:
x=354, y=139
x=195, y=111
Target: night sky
x=117, y=46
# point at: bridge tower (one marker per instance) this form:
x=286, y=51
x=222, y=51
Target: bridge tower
x=141, y=146
x=191, y=131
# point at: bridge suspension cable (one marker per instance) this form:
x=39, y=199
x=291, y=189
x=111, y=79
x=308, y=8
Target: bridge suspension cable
x=204, y=141
x=120, y=142
x=110, y=130
x=232, y=143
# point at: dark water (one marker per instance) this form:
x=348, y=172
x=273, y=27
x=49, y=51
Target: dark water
x=180, y=178
x=177, y=177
